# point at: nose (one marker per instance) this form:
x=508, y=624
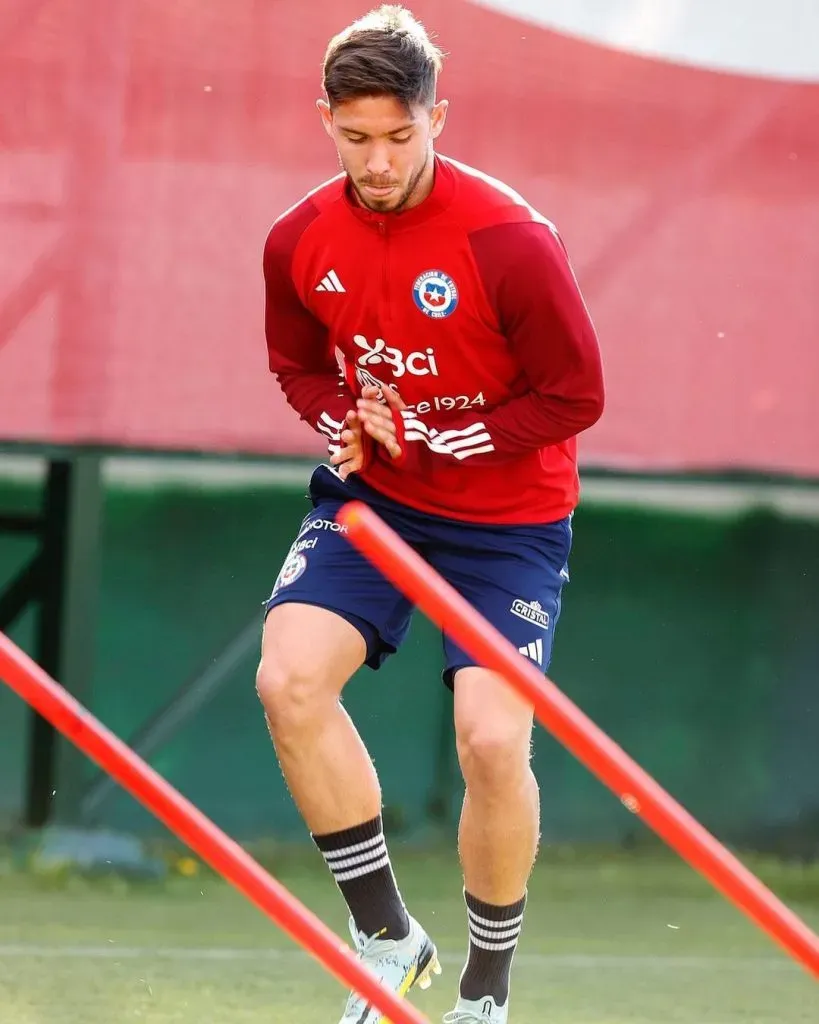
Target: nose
x=378, y=161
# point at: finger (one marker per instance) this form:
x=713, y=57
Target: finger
x=382, y=430
x=383, y=424
x=394, y=400
x=354, y=426
x=351, y=466
x=344, y=455
x=370, y=391
x=365, y=405
x=384, y=437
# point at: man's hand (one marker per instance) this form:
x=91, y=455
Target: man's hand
x=377, y=419
x=351, y=456
x=350, y=459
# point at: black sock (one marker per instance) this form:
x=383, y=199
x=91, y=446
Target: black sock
x=360, y=865
x=493, y=935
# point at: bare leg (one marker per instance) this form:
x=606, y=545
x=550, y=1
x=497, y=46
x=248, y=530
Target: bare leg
x=308, y=655
x=499, y=828
x=500, y=819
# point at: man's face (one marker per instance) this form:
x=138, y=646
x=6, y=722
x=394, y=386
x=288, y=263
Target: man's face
x=384, y=148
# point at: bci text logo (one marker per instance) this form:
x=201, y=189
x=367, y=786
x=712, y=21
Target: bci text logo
x=303, y=545
x=419, y=364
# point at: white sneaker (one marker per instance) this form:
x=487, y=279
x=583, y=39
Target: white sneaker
x=478, y=1011
x=399, y=963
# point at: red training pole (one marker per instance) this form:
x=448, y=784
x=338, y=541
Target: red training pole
x=53, y=702
x=567, y=723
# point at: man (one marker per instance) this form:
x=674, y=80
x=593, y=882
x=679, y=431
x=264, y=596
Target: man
x=426, y=320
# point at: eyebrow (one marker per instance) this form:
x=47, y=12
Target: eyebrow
x=395, y=131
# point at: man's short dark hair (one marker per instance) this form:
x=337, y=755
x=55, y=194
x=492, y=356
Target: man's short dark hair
x=385, y=53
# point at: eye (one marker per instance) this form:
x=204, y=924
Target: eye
x=402, y=139
x=356, y=141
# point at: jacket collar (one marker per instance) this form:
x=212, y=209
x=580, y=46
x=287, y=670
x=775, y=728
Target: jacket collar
x=443, y=189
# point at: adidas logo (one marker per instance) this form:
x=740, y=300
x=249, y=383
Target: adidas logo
x=533, y=651
x=330, y=283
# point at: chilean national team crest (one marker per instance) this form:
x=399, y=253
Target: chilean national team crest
x=435, y=294
x=294, y=566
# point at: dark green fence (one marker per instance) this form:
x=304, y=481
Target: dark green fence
x=693, y=640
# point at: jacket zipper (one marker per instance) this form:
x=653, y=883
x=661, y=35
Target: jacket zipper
x=385, y=283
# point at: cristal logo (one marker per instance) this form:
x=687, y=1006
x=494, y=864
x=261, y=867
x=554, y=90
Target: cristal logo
x=419, y=364
x=531, y=611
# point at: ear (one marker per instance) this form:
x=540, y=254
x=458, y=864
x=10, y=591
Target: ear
x=326, y=116
x=438, y=117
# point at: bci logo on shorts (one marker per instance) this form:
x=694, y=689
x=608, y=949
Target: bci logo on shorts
x=531, y=611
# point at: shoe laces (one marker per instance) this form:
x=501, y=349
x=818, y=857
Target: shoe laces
x=466, y=1017
x=370, y=945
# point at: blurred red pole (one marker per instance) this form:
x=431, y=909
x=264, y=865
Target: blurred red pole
x=224, y=855
x=567, y=723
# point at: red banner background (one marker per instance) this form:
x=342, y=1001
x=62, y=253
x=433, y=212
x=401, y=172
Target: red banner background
x=146, y=147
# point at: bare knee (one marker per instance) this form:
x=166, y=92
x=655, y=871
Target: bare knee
x=293, y=694
x=494, y=754
x=308, y=654
x=493, y=729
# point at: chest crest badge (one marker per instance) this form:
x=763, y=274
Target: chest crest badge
x=435, y=294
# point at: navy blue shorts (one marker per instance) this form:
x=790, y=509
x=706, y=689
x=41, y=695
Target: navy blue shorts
x=513, y=575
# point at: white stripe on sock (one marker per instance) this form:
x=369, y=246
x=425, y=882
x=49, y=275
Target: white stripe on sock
x=349, y=862
x=348, y=851
x=345, y=876
x=507, y=933
x=493, y=946
x=488, y=923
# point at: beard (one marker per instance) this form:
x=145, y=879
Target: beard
x=389, y=204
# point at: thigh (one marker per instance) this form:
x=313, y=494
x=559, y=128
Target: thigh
x=489, y=713
x=322, y=568
x=314, y=667
x=514, y=577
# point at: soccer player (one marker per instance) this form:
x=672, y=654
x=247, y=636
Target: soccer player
x=425, y=319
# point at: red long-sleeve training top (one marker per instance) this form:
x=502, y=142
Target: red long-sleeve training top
x=465, y=304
